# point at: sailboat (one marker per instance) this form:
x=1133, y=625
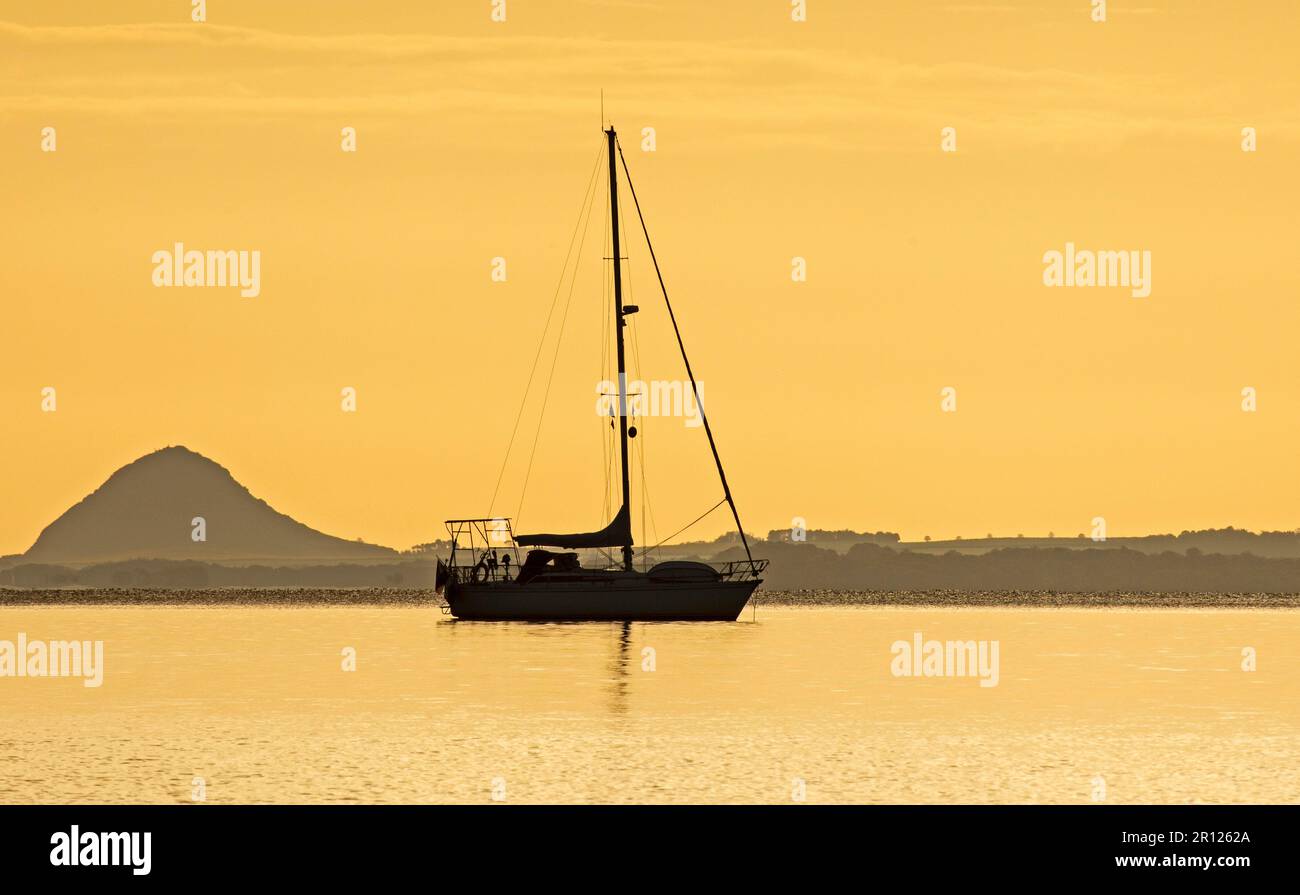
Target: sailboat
x=550, y=584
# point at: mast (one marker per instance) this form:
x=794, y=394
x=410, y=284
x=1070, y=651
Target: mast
x=619, y=323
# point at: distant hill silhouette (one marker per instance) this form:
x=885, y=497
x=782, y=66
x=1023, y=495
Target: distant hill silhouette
x=145, y=511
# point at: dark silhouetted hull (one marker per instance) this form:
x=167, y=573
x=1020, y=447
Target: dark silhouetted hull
x=580, y=601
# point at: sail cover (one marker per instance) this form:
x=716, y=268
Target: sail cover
x=616, y=534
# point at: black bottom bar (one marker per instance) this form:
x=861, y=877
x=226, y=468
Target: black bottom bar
x=504, y=842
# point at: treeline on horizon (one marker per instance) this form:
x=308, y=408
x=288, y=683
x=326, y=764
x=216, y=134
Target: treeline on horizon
x=1236, y=540
x=1205, y=538
x=1061, y=569
x=864, y=567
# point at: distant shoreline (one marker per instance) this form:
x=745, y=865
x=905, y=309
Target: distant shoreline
x=379, y=596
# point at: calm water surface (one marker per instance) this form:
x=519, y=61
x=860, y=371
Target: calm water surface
x=254, y=700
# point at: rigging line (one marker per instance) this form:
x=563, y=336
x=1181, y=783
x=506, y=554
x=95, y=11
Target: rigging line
x=726, y=489
x=605, y=308
x=634, y=458
x=645, y=500
x=629, y=281
x=645, y=504
x=612, y=495
x=541, y=343
x=641, y=436
x=639, y=445
x=550, y=378
x=688, y=525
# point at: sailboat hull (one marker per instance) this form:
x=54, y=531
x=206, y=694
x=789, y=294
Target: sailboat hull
x=628, y=600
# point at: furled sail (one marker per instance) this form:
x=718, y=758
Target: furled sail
x=616, y=534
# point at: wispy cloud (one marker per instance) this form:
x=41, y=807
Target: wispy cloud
x=828, y=95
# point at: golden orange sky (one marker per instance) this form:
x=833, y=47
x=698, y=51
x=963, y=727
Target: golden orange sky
x=774, y=139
